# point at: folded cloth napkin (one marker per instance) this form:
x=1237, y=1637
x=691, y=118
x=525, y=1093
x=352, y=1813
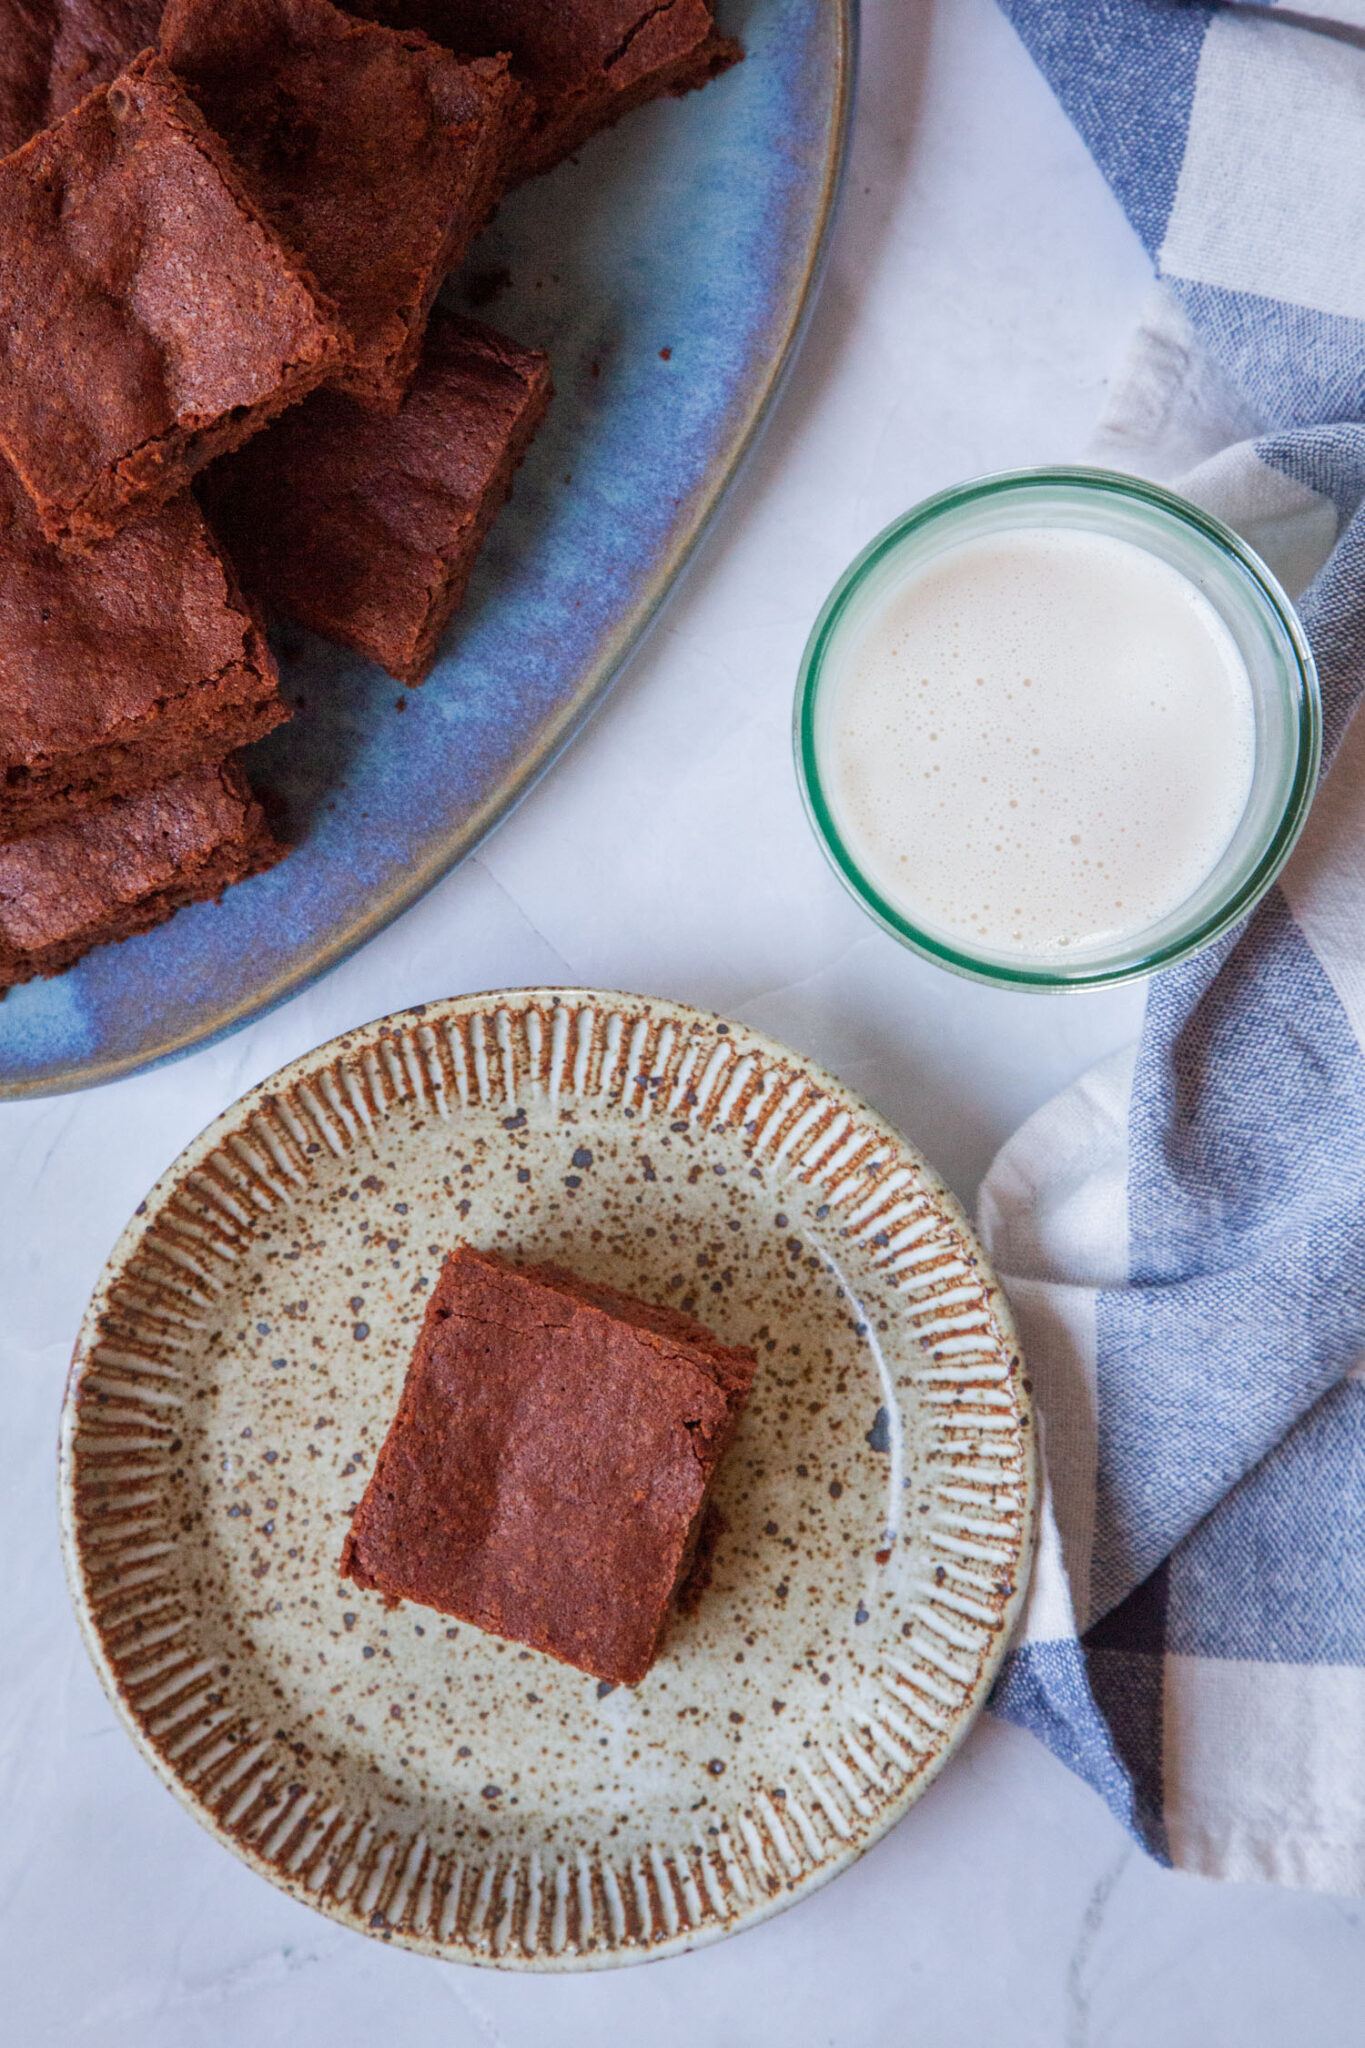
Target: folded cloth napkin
x=1182, y=1233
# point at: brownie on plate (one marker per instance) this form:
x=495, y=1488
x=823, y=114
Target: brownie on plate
x=547, y=1471
x=366, y=528
x=586, y=61
x=121, y=667
x=149, y=315
x=53, y=52
x=112, y=872
x=376, y=154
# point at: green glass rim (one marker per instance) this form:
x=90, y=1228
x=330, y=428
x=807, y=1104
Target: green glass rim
x=1306, y=708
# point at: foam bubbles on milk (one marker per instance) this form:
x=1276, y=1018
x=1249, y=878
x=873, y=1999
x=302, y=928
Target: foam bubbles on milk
x=1040, y=743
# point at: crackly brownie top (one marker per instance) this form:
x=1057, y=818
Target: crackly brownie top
x=91, y=644
x=70, y=878
x=668, y=1331
x=370, y=150
x=336, y=512
x=407, y=484
x=551, y=1452
x=140, y=291
x=567, y=51
x=54, y=52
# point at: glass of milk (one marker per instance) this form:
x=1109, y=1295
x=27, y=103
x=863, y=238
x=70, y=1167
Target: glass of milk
x=1057, y=728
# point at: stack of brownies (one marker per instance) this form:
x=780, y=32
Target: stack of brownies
x=222, y=233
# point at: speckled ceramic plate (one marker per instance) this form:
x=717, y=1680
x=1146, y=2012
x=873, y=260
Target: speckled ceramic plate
x=238, y=1368
x=666, y=271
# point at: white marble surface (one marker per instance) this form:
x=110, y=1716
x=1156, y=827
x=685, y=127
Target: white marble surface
x=982, y=286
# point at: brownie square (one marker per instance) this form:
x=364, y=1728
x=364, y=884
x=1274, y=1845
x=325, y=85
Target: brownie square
x=366, y=528
x=547, y=1470
x=587, y=62
x=376, y=154
x=121, y=667
x=149, y=316
x=113, y=872
x=53, y=52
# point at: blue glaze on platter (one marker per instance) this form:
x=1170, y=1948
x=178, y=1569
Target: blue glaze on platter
x=694, y=228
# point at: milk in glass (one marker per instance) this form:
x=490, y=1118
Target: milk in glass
x=1039, y=743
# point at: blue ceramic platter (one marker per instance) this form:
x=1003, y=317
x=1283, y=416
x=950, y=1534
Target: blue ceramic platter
x=666, y=272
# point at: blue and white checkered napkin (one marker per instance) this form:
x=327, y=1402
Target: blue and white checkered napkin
x=1183, y=1232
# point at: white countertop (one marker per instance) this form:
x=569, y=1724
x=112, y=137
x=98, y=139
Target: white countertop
x=982, y=288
